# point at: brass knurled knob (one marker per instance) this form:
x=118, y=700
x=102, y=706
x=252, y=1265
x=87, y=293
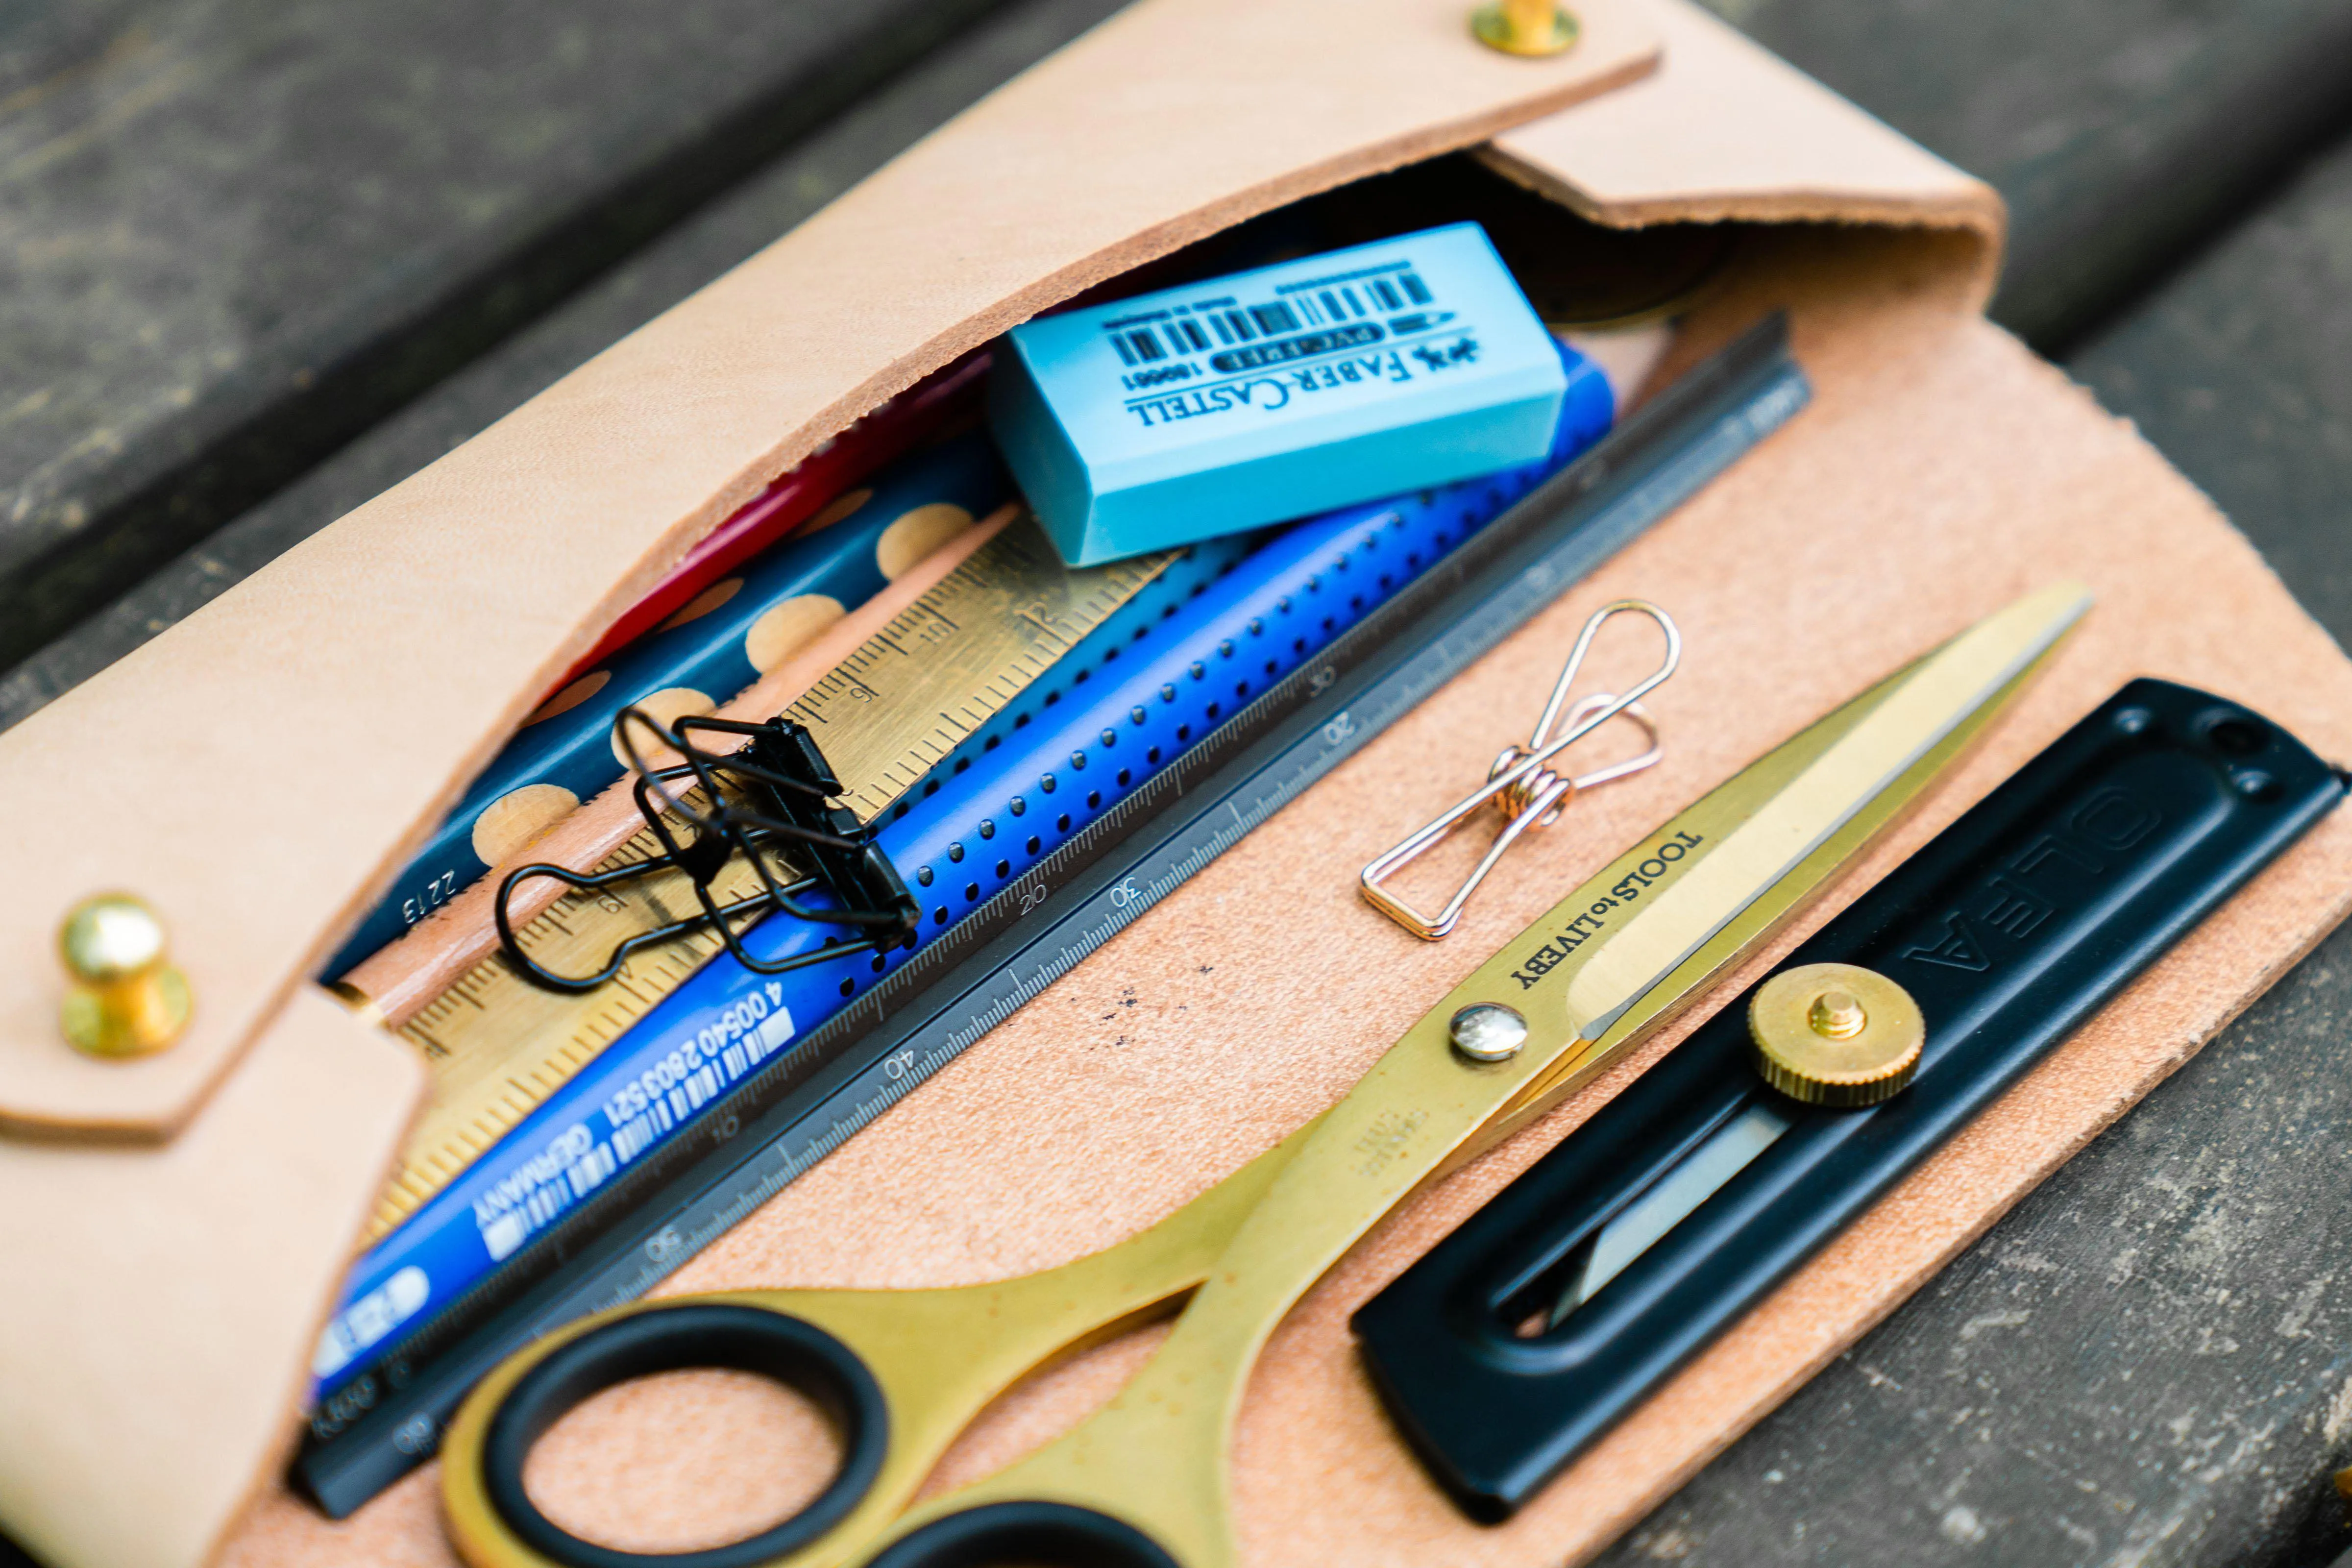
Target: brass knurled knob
x=1836, y=1034
x=123, y=997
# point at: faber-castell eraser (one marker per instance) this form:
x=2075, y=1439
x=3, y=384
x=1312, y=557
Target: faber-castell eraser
x=1269, y=395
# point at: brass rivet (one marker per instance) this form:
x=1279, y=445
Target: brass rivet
x=1531, y=28
x=1836, y=1034
x=124, y=998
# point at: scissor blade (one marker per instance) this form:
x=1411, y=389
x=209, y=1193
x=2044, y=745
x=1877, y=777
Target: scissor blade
x=1627, y=946
x=1753, y=926
x=1936, y=702
x=1646, y=937
x=1755, y=832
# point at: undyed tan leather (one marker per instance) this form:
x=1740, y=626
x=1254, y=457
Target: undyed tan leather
x=270, y=761
x=1941, y=471
x=154, y=1294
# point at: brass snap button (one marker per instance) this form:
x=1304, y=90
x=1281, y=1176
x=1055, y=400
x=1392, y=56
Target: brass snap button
x=123, y=997
x=1532, y=28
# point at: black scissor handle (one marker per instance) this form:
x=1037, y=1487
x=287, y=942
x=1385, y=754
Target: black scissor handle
x=1047, y=1534
x=674, y=1339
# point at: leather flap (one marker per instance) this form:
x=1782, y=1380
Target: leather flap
x=1726, y=130
x=162, y=1300
x=260, y=770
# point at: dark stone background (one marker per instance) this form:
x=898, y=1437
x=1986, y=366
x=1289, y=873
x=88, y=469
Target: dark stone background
x=260, y=259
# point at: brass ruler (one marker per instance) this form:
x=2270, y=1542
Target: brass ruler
x=499, y=1046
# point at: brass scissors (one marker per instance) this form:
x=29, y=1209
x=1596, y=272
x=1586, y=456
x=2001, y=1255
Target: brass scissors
x=1143, y=1482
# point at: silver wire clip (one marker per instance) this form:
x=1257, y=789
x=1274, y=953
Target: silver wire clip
x=1528, y=792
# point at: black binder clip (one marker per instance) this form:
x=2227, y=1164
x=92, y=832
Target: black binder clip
x=771, y=793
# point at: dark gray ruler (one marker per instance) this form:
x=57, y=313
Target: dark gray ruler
x=946, y=995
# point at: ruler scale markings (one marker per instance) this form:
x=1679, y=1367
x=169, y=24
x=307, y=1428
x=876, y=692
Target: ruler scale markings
x=532, y=1041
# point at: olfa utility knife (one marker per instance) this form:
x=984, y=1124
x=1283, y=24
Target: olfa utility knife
x=1143, y=1481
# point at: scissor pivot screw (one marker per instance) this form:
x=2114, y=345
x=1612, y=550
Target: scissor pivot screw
x=123, y=998
x=1488, y=1032
x=1836, y=1034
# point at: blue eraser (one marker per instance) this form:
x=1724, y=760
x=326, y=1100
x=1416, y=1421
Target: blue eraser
x=1268, y=394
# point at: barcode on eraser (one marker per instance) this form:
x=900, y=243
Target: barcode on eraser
x=1206, y=324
